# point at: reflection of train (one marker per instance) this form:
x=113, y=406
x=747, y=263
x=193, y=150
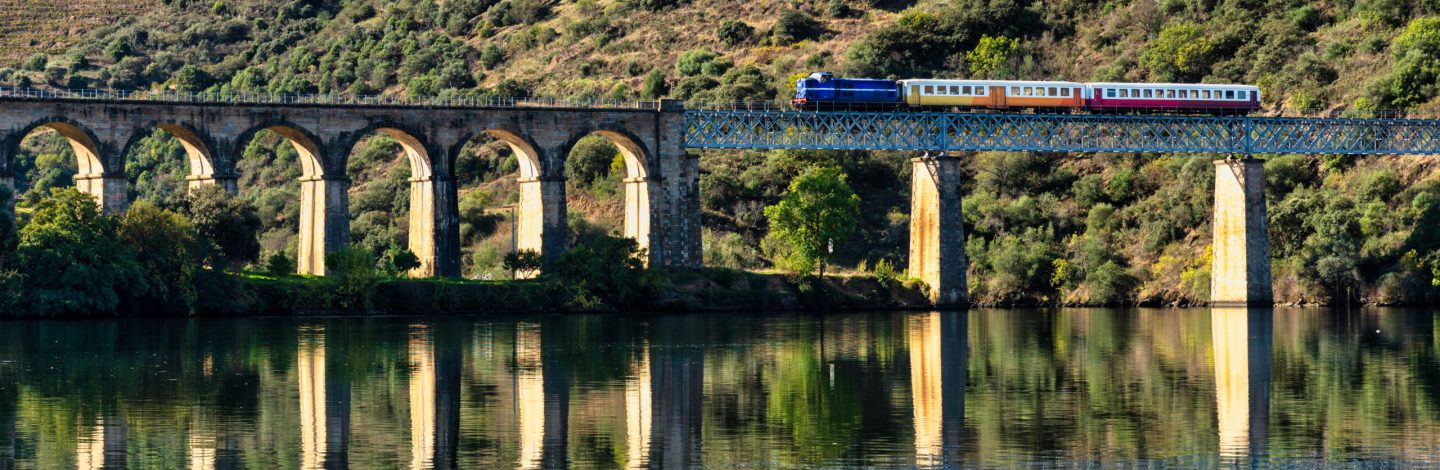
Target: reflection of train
x=821, y=90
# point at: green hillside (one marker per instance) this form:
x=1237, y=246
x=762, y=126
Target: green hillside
x=1040, y=228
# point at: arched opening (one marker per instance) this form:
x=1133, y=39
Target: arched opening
x=56, y=154
x=608, y=189
x=282, y=175
x=165, y=163
x=392, y=204
x=501, y=202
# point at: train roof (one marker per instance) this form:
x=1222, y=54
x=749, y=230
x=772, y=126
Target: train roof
x=1211, y=86
x=934, y=81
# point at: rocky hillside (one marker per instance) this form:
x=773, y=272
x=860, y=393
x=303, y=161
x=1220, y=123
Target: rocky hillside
x=1041, y=228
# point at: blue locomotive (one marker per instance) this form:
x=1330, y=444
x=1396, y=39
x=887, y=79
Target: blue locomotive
x=823, y=88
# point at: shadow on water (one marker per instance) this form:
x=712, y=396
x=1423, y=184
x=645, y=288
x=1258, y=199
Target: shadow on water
x=1229, y=387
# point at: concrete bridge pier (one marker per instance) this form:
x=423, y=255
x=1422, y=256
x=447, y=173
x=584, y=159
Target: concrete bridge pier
x=324, y=221
x=1240, y=268
x=937, y=232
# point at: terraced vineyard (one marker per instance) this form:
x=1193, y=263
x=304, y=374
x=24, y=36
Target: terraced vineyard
x=30, y=26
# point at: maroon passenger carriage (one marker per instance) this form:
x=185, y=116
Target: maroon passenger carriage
x=1173, y=97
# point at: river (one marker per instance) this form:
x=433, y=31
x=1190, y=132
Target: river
x=1173, y=387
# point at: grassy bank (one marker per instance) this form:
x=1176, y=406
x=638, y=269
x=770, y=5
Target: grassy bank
x=709, y=290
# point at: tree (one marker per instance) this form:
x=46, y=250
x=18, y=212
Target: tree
x=655, y=86
x=610, y=268
x=1182, y=52
x=992, y=56
x=74, y=261
x=1417, y=63
x=817, y=210
x=171, y=255
x=590, y=160
x=524, y=263
x=228, y=223
x=398, y=260
x=191, y=78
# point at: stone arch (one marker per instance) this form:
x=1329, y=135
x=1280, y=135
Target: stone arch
x=93, y=175
x=324, y=212
x=637, y=181
x=426, y=209
x=540, y=223
x=199, y=157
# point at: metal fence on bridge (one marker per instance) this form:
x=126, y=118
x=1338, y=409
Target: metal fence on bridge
x=929, y=131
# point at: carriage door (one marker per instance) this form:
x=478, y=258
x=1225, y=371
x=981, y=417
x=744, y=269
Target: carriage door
x=997, y=96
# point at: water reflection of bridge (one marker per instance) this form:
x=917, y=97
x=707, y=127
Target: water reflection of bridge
x=534, y=407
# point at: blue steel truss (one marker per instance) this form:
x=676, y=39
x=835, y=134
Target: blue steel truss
x=844, y=130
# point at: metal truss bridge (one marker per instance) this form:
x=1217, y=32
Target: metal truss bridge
x=933, y=131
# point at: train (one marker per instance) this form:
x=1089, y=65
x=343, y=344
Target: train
x=822, y=90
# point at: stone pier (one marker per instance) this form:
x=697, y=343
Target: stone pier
x=108, y=189
x=937, y=232
x=544, y=224
x=1240, y=268
x=324, y=222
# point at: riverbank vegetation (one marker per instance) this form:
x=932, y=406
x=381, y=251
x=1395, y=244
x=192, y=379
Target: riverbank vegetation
x=1041, y=229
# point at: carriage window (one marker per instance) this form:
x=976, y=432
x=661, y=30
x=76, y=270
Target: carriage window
x=1065, y=92
x=954, y=89
x=1194, y=94
x=980, y=91
x=1015, y=91
x=929, y=89
x=1205, y=94
x=1124, y=93
x=1054, y=91
x=1169, y=93
x=1229, y=94
x=965, y=89
x=1148, y=93
x=1109, y=92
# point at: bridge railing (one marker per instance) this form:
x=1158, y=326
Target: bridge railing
x=173, y=96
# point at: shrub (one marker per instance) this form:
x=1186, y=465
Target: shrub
x=794, y=26
x=524, y=263
x=398, y=261
x=885, y=272
x=279, y=265
x=655, y=86
x=692, y=62
x=1182, y=52
x=36, y=63
x=609, y=268
x=734, y=32
x=491, y=56
x=351, y=274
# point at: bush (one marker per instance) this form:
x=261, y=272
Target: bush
x=734, y=32
x=794, y=26
x=1182, y=52
x=36, y=63
x=524, y=263
x=609, y=268
x=279, y=265
x=693, y=62
x=398, y=261
x=655, y=86
x=351, y=274
x=885, y=272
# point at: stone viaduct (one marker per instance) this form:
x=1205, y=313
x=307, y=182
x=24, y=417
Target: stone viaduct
x=662, y=204
x=662, y=208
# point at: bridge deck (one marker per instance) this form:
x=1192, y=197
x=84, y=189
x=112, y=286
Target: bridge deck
x=772, y=129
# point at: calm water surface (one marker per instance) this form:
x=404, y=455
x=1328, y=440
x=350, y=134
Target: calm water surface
x=980, y=388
